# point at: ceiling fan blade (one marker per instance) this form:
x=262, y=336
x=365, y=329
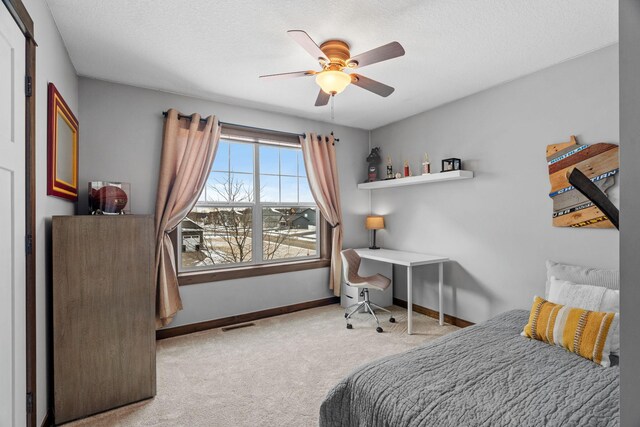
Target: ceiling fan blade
x=371, y=85
x=323, y=98
x=379, y=54
x=303, y=39
x=288, y=75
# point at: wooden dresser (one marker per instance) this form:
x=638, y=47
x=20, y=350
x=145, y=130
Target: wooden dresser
x=103, y=313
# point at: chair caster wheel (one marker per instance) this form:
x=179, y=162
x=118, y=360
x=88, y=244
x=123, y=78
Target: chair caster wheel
x=349, y=326
x=345, y=315
x=378, y=329
x=392, y=320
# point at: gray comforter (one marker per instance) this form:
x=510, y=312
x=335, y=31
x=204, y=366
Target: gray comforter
x=485, y=375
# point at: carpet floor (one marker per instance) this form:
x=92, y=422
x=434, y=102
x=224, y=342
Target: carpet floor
x=275, y=373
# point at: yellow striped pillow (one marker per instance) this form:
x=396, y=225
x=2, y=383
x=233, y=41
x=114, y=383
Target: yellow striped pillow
x=583, y=332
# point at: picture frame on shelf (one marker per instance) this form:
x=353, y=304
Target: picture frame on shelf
x=452, y=164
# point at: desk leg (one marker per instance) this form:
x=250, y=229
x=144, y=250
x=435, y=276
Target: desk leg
x=409, y=301
x=440, y=283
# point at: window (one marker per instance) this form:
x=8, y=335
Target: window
x=256, y=209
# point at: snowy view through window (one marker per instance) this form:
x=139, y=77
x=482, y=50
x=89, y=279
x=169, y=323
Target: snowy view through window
x=256, y=207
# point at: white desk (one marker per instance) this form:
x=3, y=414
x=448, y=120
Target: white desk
x=409, y=260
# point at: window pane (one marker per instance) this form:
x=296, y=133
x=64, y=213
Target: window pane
x=269, y=160
x=288, y=189
x=215, y=189
x=305, y=191
x=221, y=161
x=241, y=157
x=240, y=188
x=216, y=236
x=269, y=188
x=202, y=197
x=301, y=169
x=288, y=161
x=288, y=232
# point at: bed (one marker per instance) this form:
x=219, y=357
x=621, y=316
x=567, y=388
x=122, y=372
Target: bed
x=484, y=375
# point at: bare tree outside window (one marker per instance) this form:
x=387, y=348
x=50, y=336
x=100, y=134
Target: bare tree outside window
x=225, y=233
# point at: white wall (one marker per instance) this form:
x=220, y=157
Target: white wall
x=630, y=211
x=52, y=65
x=497, y=227
x=121, y=141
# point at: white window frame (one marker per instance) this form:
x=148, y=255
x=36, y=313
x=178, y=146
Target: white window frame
x=257, y=205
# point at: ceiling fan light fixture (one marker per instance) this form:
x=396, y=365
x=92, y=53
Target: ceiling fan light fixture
x=333, y=82
x=334, y=57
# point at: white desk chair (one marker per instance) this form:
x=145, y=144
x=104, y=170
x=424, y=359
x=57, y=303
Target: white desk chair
x=350, y=266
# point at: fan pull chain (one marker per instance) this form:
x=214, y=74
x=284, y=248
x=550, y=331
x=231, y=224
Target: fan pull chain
x=333, y=117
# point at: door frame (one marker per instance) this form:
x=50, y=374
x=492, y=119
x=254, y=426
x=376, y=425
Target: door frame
x=25, y=23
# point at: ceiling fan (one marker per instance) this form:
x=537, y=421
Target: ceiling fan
x=334, y=57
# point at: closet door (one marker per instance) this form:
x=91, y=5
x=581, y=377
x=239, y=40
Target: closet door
x=103, y=313
x=13, y=385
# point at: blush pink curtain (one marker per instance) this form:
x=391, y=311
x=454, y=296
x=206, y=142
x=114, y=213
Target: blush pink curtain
x=188, y=149
x=322, y=171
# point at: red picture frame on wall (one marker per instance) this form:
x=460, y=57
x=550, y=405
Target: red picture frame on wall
x=62, y=147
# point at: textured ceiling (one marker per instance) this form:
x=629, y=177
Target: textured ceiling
x=216, y=49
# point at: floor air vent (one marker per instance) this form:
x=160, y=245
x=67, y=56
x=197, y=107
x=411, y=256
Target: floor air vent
x=231, y=328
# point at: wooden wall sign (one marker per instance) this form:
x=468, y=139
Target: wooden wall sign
x=598, y=162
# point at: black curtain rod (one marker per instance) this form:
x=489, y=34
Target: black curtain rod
x=183, y=116
x=304, y=135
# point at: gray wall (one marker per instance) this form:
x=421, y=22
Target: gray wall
x=630, y=210
x=121, y=141
x=52, y=65
x=497, y=227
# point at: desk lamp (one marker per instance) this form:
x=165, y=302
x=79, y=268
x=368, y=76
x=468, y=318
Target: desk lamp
x=374, y=222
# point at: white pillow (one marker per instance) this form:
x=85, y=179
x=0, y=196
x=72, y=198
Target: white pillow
x=606, y=278
x=587, y=297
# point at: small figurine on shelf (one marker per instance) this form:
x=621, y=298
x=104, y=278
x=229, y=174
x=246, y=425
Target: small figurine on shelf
x=407, y=171
x=389, y=168
x=374, y=160
x=426, y=166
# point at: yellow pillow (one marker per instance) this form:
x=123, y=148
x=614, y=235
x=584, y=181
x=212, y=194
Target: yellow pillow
x=584, y=332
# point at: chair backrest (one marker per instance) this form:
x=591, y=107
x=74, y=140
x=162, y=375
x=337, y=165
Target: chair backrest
x=350, y=265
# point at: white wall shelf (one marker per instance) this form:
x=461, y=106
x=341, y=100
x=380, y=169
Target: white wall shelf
x=420, y=179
